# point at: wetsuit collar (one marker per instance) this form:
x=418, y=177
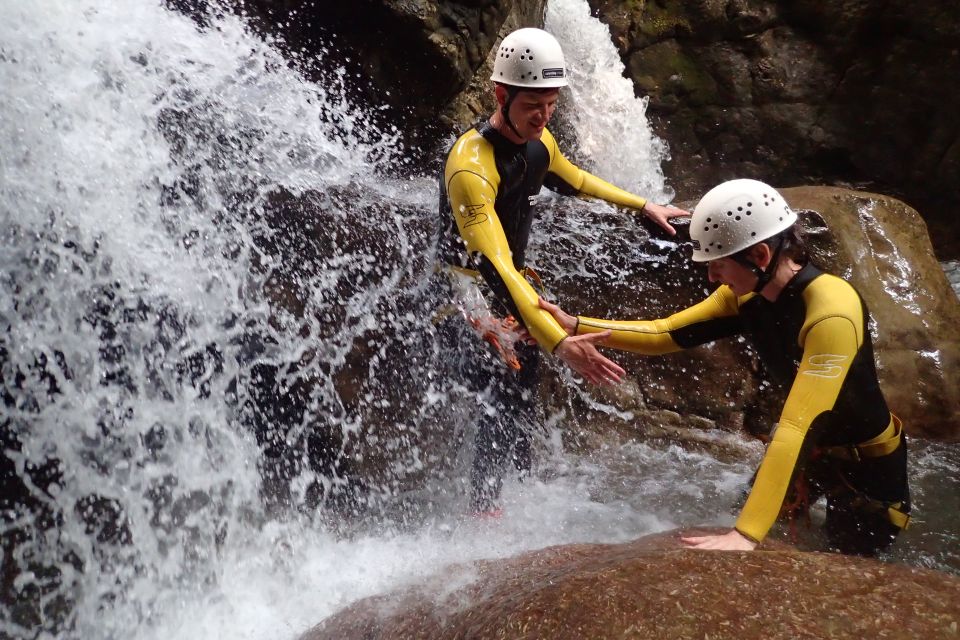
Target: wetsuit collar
x=799, y=281
x=499, y=141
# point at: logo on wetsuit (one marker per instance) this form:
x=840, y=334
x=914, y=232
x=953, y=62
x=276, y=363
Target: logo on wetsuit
x=472, y=214
x=825, y=365
x=553, y=73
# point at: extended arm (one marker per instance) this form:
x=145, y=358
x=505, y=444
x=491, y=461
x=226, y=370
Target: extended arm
x=471, y=199
x=713, y=318
x=830, y=347
x=579, y=181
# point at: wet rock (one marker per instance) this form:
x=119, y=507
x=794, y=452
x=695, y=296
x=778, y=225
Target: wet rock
x=800, y=92
x=406, y=61
x=881, y=245
x=652, y=588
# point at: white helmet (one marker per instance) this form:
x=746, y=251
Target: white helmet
x=735, y=215
x=530, y=58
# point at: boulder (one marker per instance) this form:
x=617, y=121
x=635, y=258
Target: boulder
x=651, y=588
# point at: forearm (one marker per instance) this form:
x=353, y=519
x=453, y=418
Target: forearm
x=770, y=487
x=593, y=186
x=646, y=337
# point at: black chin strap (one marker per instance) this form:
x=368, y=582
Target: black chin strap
x=505, y=110
x=764, y=276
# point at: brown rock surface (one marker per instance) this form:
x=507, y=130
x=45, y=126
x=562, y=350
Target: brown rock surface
x=651, y=588
x=881, y=245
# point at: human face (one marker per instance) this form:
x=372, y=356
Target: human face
x=531, y=111
x=733, y=274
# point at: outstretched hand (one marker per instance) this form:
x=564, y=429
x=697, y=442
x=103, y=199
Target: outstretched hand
x=661, y=214
x=580, y=354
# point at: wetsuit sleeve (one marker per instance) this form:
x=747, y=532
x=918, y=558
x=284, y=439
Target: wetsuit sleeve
x=713, y=318
x=472, y=197
x=830, y=346
x=578, y=181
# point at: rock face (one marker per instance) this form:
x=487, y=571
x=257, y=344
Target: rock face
x=409, y=60
x=800, y=92
x=651, y=588
x=877, y=243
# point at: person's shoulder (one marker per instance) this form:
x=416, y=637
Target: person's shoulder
x=472, y=158
x=547, y=139
x=828, y=295
x=467, y=146
x=827, y=286
x=729, y=301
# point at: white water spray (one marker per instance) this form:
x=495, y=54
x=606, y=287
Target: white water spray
x=609, y=120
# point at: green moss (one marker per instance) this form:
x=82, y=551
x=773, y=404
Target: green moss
x=657, y=21
x=666, y=69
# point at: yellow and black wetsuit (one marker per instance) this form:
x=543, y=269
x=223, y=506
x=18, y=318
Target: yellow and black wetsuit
x=485, y=214
x=815, y=340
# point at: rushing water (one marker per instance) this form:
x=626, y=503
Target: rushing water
x=952, y=269
x=212, y=307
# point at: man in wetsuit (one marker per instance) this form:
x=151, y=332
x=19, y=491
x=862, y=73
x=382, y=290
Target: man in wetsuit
x=490, y=175
x=836, y=436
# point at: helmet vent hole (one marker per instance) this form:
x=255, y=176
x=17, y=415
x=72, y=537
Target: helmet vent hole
x=753, y=233
x=729, y=213
x=737, y=218
x=535, y=77
x=716, y=226
x=719, y=247
x=706, y=228
x=739, y=208
x=709, y=220
x=749, y=204
x=748, y=213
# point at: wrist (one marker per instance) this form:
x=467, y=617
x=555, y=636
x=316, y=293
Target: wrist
x=557, y=347
x=748, y=538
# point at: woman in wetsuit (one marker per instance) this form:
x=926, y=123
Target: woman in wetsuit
x=810, y=329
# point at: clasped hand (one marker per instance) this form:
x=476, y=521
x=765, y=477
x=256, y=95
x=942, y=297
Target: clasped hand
x=580, y=352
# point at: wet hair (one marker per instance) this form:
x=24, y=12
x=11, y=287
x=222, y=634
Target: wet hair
x=790, y=242
x=793, y=245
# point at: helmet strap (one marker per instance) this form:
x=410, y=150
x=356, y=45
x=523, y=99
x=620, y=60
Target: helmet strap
x=505, y=110
x=764, y=276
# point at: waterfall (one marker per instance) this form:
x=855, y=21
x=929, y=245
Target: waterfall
x=147, y=256
x=612, y=132
x=223, y=414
